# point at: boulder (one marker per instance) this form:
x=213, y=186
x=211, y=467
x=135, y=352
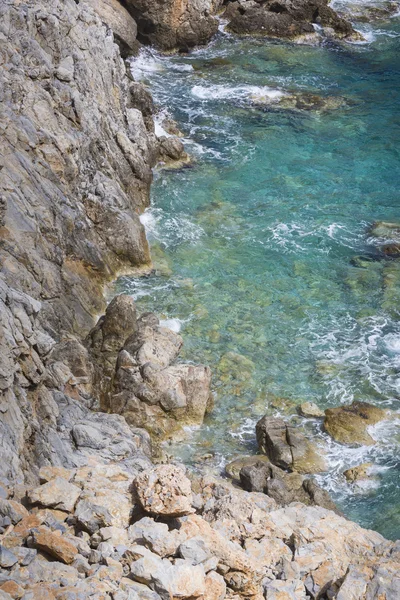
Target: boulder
x=52, y=543
x=155, y=536
x=91, y=517
x=348, y=424
x=7, y=558
x=234, y=467
x=165, y=491
x=287, y=447
x=56, y=493
x=14, y=510
x=153, y=393
x=283, y=487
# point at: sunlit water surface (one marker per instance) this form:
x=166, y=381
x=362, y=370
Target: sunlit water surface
x=255, y=244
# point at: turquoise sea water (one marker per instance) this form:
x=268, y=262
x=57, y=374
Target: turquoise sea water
x=255, y=245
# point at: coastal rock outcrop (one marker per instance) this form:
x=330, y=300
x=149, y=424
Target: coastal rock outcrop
x=75, y=174
x=173, y=24
x=285, y=19
x=153, y=392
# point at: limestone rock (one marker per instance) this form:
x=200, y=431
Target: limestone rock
x=72, y=221
x=215, y=587
x=56, y=493
x=153, y=393
x=7, y=558
x=234, y=467
x=348, y=423
x=14, y=510
x=283, y=487
x=155, y=536
x=165, y=490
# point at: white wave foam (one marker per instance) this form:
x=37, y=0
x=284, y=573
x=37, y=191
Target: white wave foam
x=295, y=237
x=170, y=231
x=144, y=64
x=249, y=92
x=149, y=219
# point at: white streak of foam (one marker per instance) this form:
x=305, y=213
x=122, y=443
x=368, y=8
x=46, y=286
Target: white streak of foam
x=250, y=92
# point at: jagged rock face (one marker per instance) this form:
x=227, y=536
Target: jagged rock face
x=284, y=18
x=136, y=375
x=75, y=171
x=120, y=21
x=173, y=24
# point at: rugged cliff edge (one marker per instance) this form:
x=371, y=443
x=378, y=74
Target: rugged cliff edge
x=83, y=512
x=77, y=148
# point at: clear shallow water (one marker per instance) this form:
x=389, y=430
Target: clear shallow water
x=254, y=244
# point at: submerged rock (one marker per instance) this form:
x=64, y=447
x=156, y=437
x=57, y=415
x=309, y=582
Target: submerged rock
x=310, y=409
x=348, y=424
x=358, y=473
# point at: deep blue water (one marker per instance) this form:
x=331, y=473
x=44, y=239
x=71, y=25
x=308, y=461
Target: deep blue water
x=255, y=245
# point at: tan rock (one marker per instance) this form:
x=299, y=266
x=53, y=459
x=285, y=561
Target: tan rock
x=165, y=490
x=57, y=493
x=48, y=473
x=310, y=409
x=54, y=544
x=348, y=424
x=358, y=472
x=215, y=587
x=29, y=522
x=11, y=587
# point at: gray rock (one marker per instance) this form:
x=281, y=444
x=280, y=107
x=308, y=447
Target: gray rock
x=195, y=551
x=25, y=555
x=12, y=510
x=7, y=558
x=92, y=516
x=120, y=21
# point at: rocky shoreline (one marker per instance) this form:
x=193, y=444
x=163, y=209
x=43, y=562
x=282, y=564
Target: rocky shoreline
x=84, y=513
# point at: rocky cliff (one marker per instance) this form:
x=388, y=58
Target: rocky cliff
x=77, y=147
x=83, y=512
